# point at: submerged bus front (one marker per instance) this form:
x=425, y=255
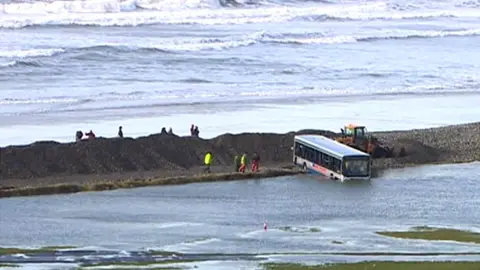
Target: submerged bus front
x=356, y=167
x=323, y=155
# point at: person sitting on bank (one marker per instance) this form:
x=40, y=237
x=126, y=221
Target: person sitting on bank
x=255, y=162
x=120, y=132
x=208, y=162
x=243, y=163
x=170, y=131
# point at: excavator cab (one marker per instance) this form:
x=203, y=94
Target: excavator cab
x=357, y=137
x=357, y=133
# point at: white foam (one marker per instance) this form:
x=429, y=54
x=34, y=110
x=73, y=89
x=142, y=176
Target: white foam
x=198, y=44
x=206, y=12
x=27, y=101
x=20, y=255
x=390, y=34
x=175, y=224
x=8, y=64
x=30, y=52
x=180, y=44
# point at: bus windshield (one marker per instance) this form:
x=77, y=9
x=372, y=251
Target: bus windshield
x=356, y=167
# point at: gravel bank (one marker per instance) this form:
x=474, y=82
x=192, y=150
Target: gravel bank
x=164, y=155
x=449, y=144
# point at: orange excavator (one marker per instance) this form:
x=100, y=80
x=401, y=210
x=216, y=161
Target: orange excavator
x=357, y=137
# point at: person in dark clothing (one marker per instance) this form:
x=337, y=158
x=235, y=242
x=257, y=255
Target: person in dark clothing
x=196, y=131
x=164, y=130
x=170, y=131
x=255, y=162
x=120, y=132
x=78, y=136
x=192, y=130
x=236, y=161
x=90, y=135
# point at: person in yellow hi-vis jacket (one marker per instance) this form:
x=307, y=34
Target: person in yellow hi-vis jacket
x=243, y=163
x=208, y=161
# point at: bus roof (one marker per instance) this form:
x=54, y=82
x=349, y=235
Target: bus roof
x=332, y=146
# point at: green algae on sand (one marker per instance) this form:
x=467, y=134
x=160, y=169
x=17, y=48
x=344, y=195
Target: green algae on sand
x=8, y=265
x=6, y=251
x=136, y=183
x=377, y=265
x=431, y=233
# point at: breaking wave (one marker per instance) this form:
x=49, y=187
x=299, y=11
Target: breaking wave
x=318, y=38
x=226, y=43
x=30, y=53
x=206, y=12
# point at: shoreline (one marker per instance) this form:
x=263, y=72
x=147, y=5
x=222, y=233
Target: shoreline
x=65, y=188
x=159, y=158
x=128, y=183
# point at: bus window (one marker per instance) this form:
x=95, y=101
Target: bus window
x=311, y=154
x=337, y=165
x=298, y=149
x=308, y=153
x=355, y=167
x=326, y=160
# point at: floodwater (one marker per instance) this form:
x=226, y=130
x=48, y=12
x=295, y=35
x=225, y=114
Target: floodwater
x=305, y=214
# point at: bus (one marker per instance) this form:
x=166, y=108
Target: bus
x=323, y=155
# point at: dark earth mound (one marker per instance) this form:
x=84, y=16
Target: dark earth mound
x=157, y=151
x=173, y=153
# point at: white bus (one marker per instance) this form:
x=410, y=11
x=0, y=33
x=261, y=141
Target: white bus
x=338, y=161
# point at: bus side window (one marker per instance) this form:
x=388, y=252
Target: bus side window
x=310, y=154
x=314, y=156
x=316, y=160
x=301, y=151
x=336, y=165
x=320, y=159
x=326, y=159
x=298, y=149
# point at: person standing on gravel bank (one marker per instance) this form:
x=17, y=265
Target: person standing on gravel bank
x=208, y=162
x=243, y=162
x=90, y=135
x=78, y=136
x=236, y=161
x=120, y=132
x=255, y=162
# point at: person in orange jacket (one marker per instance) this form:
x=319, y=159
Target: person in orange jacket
x=255, y=162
